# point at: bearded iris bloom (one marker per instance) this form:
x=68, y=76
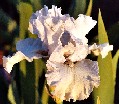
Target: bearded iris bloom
x=62, y=39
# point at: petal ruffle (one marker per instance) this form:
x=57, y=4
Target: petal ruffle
x=72, y=83
x=80, y=27
x=50, y=25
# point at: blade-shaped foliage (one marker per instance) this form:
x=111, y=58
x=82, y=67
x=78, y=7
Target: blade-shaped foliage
x=45, y=95
x=89, y=10
x=25, y=11
x=80, y=7
x=115, y=62
x=98, y=100
x=13, y=95
x=106, y=89
x=36, y=4
x=29, y=88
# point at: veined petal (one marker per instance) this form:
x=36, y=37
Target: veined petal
x=31, y=48
x=102, y=49
x=9, y=61
x=72, y=83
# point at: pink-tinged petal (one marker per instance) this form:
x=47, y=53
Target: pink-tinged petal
x=72, y=82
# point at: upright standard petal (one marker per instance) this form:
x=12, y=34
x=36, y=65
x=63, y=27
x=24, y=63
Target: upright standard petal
x=72, y=82
x=84, y=24
x=50, y=25
x=80, y=27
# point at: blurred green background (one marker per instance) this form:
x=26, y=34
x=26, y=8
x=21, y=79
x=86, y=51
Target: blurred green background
x=26, y=84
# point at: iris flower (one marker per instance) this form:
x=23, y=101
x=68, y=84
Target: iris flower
x=62, y=39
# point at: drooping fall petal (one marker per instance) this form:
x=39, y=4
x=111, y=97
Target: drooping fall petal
x=72, y=82
x=9, y=61
x=31, y=48
x=28, y=49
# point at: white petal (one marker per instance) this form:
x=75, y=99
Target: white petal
x=57, y=56
x=84, y=24
x=54, y=32
x=50, y=24
x=54, y=11
x=74, y=31
x=72, y=83
x=81, y=51
x=59, y=76
x=80, y=27
x=102, y=49
x=47, y=26
x=105, y=48
x=59, y=53
x=69, y=52
x=31, y=48
x=9, y=61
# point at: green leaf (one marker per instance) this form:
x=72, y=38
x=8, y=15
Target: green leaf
x=13, y=95
x=28, y=71
x=36, y=4
x=106, y=88
x=25, y=11
x=115, y=62
x=89, y=10
x=39, y=66
x=80, y=7
x=98, y=100
x=45, y=95
x=102, y=34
